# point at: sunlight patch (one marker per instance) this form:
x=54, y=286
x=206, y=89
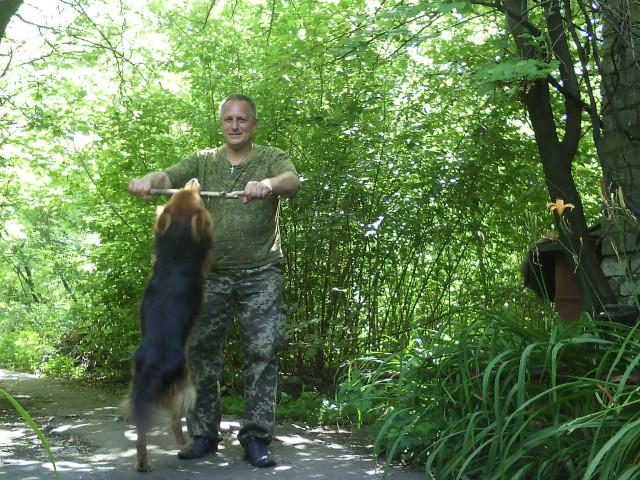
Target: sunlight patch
x=293, y=439
x=20, y=463
x=7, y=436
x=67, y=466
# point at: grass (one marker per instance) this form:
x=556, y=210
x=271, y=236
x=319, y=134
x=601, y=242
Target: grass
x=34, y=427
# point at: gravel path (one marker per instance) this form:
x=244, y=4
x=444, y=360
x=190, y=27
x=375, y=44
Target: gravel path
x=89, y=440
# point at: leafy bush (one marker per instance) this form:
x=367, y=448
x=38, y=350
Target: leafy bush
x=62, y=366
x=232, y=405
x=310, y=407
x=21, y=350
x=496, y=399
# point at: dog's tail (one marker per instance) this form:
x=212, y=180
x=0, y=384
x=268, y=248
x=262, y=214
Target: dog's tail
x=149, y=386
x=185, y=398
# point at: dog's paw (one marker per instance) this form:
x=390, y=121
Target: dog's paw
x=143, y=466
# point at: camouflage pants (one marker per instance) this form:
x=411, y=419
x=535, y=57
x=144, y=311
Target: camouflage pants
x=254, y=296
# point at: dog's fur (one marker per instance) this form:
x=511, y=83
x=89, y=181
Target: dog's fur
x=172, y=301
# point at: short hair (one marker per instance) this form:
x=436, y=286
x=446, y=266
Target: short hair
x=243, y=98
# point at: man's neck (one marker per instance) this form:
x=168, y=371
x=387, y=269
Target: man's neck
x=236, y=155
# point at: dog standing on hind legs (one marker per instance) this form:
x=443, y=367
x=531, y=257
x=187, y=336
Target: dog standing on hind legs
x=172, y=302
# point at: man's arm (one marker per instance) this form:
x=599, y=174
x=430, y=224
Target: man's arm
x=142, y=186
x=286, y=185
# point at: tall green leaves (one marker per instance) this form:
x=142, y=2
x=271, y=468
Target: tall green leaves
x=502, y=400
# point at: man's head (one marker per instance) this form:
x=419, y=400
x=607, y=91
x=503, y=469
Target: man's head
x=241, y=98
x=238, y=120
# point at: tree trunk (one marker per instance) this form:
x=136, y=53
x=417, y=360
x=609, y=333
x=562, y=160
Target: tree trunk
x=8, y=9
x=620, y=73
x=557, y=155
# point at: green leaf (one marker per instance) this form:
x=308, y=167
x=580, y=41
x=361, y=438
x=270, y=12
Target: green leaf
x=34, y=427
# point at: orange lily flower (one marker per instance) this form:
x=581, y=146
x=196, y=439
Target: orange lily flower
x=559, y=206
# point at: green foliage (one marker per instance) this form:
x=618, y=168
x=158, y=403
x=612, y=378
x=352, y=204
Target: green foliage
x=60, y=365
x=232, y=405
x=495, y=399
x=397, y=224
x=310, y=407
x=20, y=350
x=514, y=71
x=420, y=193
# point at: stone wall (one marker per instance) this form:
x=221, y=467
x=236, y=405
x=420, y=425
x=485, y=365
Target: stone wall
x=621, y=258
x=620, y=70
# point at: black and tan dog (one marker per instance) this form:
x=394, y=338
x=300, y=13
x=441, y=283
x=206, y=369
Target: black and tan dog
x=172, y=301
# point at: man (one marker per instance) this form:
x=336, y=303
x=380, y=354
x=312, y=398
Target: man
x=245, y=278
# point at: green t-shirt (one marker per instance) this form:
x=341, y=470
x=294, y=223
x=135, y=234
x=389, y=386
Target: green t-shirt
x=244, y=235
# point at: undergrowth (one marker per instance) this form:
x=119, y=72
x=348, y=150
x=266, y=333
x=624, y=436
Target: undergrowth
x=310, y=407
x=496, y=399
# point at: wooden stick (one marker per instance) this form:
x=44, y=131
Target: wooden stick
x=171, y=191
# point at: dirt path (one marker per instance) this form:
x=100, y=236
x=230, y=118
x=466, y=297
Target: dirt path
x=89, y=440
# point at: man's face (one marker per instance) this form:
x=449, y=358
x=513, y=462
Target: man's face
x=238, y=124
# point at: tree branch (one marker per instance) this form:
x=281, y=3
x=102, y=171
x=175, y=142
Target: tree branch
x=573, y=108
x=206, y=18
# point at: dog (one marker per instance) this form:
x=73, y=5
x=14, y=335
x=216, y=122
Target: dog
x=172, y=301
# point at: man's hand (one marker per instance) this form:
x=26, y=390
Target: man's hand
x=256, y=190
x=142, y=186
x=284, y=185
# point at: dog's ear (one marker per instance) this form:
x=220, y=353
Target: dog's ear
x=163, y=220
x=200, y=225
